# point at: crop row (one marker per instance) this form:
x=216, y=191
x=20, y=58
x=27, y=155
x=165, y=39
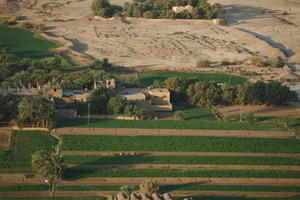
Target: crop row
x=205, y=173
x=163, y=188
x=178, y=144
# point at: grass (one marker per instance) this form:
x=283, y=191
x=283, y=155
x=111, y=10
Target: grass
x=178, y=144
x=204, y=173
x=216, y=160
x=163, y=188
x=194, y=113
x=25, y=44
x=169, y=124
x=147, y=78
x=23, y=145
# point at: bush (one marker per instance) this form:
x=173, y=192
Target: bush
x=144, y=114
x=103, y=8
x=116, y=105
x=203, y=64
x=250, y=117
x=179, y=115
x=149, y=187
x=4, y=21
x=277, y=62
x=225, y=62
x=26, y=25
x=258, y=62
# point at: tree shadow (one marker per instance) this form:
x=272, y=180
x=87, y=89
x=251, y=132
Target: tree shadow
x=86, y=169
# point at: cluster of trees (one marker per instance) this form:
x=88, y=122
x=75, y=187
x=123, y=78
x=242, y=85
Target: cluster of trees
x=158, y=9
x=40, y=72
x=211, y=93
x=163, y=9
x=103, y=101
x=103, y=8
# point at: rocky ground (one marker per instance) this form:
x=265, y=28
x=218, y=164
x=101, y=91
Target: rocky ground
x=264, y=28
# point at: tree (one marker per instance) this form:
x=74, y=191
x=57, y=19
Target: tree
x=116, y=105
x=177, y=86
x=149, y=187
x=102, y=8
x=98, y=99
x=36, y=111
x=49, y=165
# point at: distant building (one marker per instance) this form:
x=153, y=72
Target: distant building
x=157, y=99
x=178, y=9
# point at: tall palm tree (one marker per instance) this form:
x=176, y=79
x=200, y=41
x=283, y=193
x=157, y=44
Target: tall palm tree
x=49, y=165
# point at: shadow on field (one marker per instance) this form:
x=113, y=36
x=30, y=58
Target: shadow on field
x=170, y=188
x=87, y=169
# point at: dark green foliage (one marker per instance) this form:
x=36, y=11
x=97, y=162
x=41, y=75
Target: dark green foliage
x=36, y=111
x=163, y=9
x=98, y=99
x=8, y=107
x=23, y=145
x=116, y=105
x=178, y=144
x=144, y=114
x=103, y=8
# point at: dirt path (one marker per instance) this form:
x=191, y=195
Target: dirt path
x=106, y=153
x=5, y=136
x=173, y=132
x=175, y=166
x=176, y=193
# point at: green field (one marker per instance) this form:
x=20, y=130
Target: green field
x=169, y=124
x=178, y=144
x=215, y=160
x=25, y=44
x=205, y=173
x=147, y=78
x=23, y=145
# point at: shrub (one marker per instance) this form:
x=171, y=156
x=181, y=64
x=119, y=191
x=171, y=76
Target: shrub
x=250, y=117
x=277, y=62
x=116, y=105
x=26, y=25
x=149, y=187
x=4, y=21
x=203, y=64
x=225, y=62
x=39, y=28
x=144, y=114
x=222, y=22
x=258, y=61
x=179, y=115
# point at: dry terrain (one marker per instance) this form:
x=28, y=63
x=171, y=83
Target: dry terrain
x=255, y=28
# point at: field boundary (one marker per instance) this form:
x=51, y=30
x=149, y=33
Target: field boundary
x=179, y=166
x=173, y=132
x=122, y=153
x=176, y=193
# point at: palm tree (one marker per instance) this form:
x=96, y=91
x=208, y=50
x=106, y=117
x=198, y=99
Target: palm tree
x=127, y=189
x=49, y=165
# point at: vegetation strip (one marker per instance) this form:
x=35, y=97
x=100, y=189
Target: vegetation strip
x=169, y=124
x=177, y=193
x=163, y=188
x=173, y=166
x=166, y=132
x=213, y=173
x=154, y=153
x=178, y=143
x=148, y=159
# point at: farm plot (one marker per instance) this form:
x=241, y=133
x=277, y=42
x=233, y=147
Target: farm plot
x=147, y=78
x=178, y=144
x=23, y=145
x=169, y=124
x=25, y=44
